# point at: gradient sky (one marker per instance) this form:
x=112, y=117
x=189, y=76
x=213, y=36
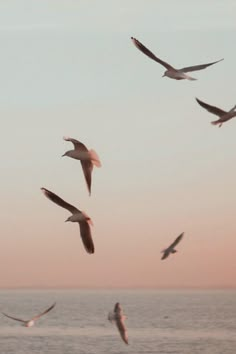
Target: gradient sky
x=69, y=68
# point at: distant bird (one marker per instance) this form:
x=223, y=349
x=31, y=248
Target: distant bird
x=223, y=115
x=118, y=317
x=77, y=216
x=87, y=158
x=177, y=74
x=30, y=323
x=171, y=248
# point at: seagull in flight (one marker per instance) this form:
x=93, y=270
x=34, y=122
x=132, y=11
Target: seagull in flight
x=171, y=249
x=118, y=317
x=171, y=72
x=30, y=323
x=224, y=116
x=77, y=216
x=87, y=158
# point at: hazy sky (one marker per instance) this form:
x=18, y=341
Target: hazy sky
x=69, y=68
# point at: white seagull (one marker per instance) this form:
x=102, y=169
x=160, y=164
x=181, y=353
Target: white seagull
x=118, y=317
x=171, y=249
x=87, y=158
x=30, y=323
x=171, y=72
x=77, y=216
x=224, y=116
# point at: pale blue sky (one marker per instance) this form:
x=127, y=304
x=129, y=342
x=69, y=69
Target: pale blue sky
x=70, y=68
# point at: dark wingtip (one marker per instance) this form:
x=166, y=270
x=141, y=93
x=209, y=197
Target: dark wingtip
x=44, y=190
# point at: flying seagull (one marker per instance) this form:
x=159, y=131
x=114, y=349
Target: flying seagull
x=30, y=323
x=118, y=317
x=223, y=115
x=171, y=248
x=177, y=74
x=87, y=158
x=77, y=216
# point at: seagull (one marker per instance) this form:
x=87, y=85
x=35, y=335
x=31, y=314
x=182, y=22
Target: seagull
x=223, y=115
x=87, y=158
x=30, y=323
x=77, y=216
x=171, y=248
x=118, y=317
x=177, y=74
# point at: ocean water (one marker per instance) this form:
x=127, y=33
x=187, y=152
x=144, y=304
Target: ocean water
x=163, y=321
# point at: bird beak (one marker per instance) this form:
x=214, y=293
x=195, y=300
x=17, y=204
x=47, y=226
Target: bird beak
x=63, y=155
x=163, y=75
x=66, y=220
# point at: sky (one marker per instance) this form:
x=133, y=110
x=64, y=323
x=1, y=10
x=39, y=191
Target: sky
x=69, y=68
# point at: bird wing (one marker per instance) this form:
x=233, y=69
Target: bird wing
x=111, y=316
x=86, y=236
x=176, y=241
x=212, y=109
x=57, y=200
x=77, y=144
x=198, y=67
x=122, y=329
x=14, y=318
x=147, y=52
x=44, y=312
x=87, y=167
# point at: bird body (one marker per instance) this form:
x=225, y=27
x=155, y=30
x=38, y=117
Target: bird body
x=88, y=158
x=171, y=72
x=171, y=249
x=77, y=216
x=177, y=75
x=31, y=322
x=224, y=116
x=118, y=317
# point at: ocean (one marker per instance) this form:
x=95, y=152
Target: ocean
x=158, y=321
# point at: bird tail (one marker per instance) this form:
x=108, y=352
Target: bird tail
x=190, y=78
x=94, y=157
x=215, y=122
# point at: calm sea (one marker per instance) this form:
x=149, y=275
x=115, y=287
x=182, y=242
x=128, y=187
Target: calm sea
x=164, y=322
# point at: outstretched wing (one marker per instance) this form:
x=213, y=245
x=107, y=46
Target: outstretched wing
x=86, y=236
x=77, y=144
x=14, y=318
x=44, y=312
x=198, y=67
x=57, y=200
x=177, y=240
x=212, y=109
x=147, y=52
x=122, y=329
x=87, y=167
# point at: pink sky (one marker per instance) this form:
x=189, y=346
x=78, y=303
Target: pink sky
x=71, y=70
